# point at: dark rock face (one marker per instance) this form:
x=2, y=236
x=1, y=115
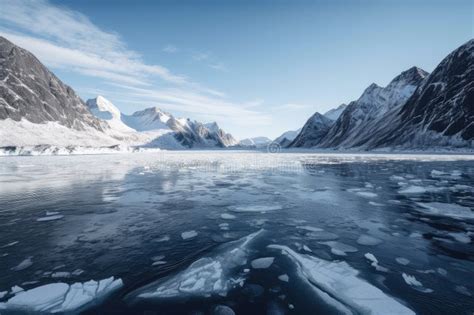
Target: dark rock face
x=312, y=132
x=441, y=111
x=355, y=123
x=29, y=90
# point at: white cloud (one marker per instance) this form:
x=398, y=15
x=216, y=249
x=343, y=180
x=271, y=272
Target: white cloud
x=66, y=39
x=218, y=66
x=170, y=49
x=200, y=56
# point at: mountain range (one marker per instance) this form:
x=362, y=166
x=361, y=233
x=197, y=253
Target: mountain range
x=36, y=108
x=416, y=110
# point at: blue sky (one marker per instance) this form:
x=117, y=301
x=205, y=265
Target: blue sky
x=257, y=68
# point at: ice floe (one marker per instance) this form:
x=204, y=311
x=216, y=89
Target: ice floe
x=460, y=237
x=262, y=263
x=368, y=240
x=338, y=284
x=50, y=218
x=310, y=228
x=413, y=282
x=189, y=234
x=366, y=194
x=284, y=278
x=256, y=208
x=3, y=294
x=402, y=261
x=412, y=190
x=208, y=276
x=23, y=265
x=61, y=297
x=227, y=216
x=340, y=249
x=374, y=262
x=450, y=210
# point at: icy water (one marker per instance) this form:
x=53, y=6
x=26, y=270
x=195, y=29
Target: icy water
x=243, y=232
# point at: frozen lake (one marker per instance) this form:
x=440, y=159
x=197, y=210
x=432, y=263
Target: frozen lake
x=258, y=233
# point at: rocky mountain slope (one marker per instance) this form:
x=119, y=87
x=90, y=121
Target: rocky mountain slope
x=441, y=111
x=416, y=110
x=312, y=132
x=334, y=113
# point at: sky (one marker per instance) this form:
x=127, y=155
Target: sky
x=257, y=68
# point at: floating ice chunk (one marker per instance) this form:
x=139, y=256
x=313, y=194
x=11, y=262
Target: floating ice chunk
x=52, y=213
x=460, y=237
x=442, y=271
x=339, y=284
x=374, y=262
x=451, y=210
x=10, y=244
x=23, y=265
x=436, y=173
x=205, y=277
x=463, y=290
x=228, y=216
x=340, y=249
x=396, y=178
x=402, y=261
x=366, y=194
x=310, y=228
x=306, y=248
x=159, y=263
x=188, y=234
x=50, y=218
x=222, y=310
x=376, y=204
x=284, y=278
x=411, y=280
x=262, y=263
x=256, y=208
x=165, y=238
x=61, y=297
x=412, y=190
x=368, y=240
x=61, y=274
x=3, y=294
x=16, y=289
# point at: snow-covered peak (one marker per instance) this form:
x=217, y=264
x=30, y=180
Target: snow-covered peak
x=103, y=108
x=334, y=113
x=151, y=118
x=213, y=126
x=255, y=141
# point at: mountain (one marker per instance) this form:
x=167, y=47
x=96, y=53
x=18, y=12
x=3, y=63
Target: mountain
x=312, y=132
x=255, y=142
x=287, y=137
x=157, y=123
x=334, y=113
x=356, y=122
x=103, y=109
x=441, y=111
x=37, y=108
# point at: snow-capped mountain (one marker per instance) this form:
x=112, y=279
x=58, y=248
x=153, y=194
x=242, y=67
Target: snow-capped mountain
x=334, y=113
x=103, y=109
x=312, y=132
x=441, y=111
x=257, y=142
x=155, y=122
x=287, y=137
x=37, y=108
x=356, y=121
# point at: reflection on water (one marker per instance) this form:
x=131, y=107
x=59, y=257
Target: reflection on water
x=147, y=218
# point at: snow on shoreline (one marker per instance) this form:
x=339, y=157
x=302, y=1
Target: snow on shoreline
x=61, y=297
x=70, y=150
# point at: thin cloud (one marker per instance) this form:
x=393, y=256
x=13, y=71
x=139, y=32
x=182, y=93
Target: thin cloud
x=171, y=49
x=66, y=39
x=218, y=66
